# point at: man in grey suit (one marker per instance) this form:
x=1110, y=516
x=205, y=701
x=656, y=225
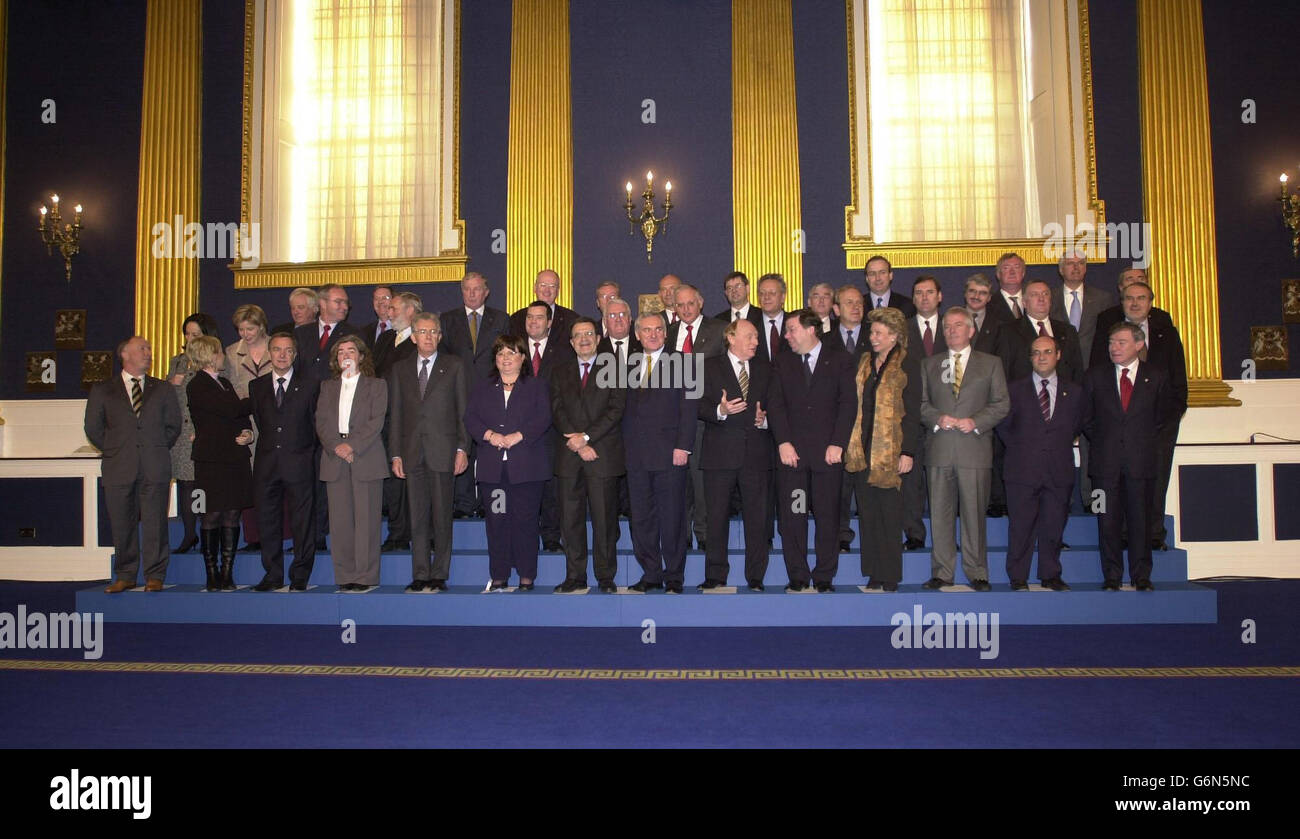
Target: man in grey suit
x=963, y=398
x=427, y=444
x=694, y=336
x=134, y=419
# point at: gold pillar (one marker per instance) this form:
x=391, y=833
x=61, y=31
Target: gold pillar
x=539, y=178
x=167, y=289
x=765, y=145
x=4, y=85
x=1178, y=186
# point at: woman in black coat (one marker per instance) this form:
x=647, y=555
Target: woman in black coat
x=222, y=472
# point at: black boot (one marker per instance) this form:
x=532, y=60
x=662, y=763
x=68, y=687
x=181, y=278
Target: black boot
x=209, y=543
x=229, y=539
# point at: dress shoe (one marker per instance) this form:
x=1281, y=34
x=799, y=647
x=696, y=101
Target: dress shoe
x=436, y=585
x=393, y=545
x=825, y=588
x=570, y=586
x=297, y=586
x=1159, y=545
x=251, y=548
x=1110, y=585
x=321, y=547
x=344, y=587
x=1065, y=546
x=267, y=584
x=494, y=587
x=710, y=584
x=417, y=585
x=699, y=544
x=1019, y=585
x=981, y=585
x=1145, y=585
x=190, y=541
x=608, y=587
x=552, y=546
x=461, y=514
x=672, y=588
x=153, y=585
x=914, y=545
x=119, y=586
x=845, y=546
x=1056, y=584
x=934, y=584
x=642, y=585
x=755, y=585
x=889, y=586
x=872, y=585
x=793, y=587
x=996, y=511
x=525, y=587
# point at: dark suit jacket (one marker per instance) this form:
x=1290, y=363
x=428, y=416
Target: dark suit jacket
x=986, y=339
x=898, y=301
x=709, y=342
x=861, y=346
x=754, y=316
x=764, y=339
x=1108, y=318
x=657, y=420
x=133, y=447
x=998, y=305
x=1015, y=338
x=529, y=412
x=561, y=321
x=368, y=332
x=1164, y=349
x=456, y=339
x=286, y=438
x=219, y=417
x=388, y=352
x=369, y=406
x=556, y=352
x=428, y=429
x=594, y=410
x=1041, y=453
x=815, y=416
x=606, y=345
x=1124, y=443
x=1093, y=302
x=735, y=443
x=915, y=346
x=312, y=360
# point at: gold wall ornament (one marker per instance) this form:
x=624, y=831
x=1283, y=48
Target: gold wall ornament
x=41, y=372
x=65, y=237
x=650, y=224
x=96, y=366
x=70, y=329
x=1269, y=348
x=1291, y=215
x=1291, y=301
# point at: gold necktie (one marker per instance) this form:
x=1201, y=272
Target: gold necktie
x=473, y=331
x=649, y=365
x=957, y=373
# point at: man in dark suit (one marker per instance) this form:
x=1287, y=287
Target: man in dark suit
x=735, y=287
x=813, y=404
x=427, y=441
x=381, y=300
x=1115, y=314
x=1127, y=403
x=964, y=397
x=1046, y=414
x=848, y=333
x=668, y=294
x=737, y=453
x=546, y=288
x=1078, y=303
x=771, y=327
x=545, y=354
x=284, y=405
x=978, y=294
x=468, y=332
x=393, y=347
x=316, y=340
x=620, y=342
x=880, y=277
x=924, y=340
x=133, y=419
x=1015, y=338
x=1007, y=302
x=605, y=292
x=587, y=412
x=659, y=419
x=303, y=308
x=821, y=300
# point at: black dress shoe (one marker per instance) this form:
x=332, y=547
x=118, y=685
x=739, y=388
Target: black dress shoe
x=552, y=546
x=267, y=584
x=914, y=544
x=825, y=588
x=642, y=585
x=321, y=547
x=793, y=587
x=395, y=545
x=460, y=514
x=1145, y=585
x=1065, y=546
x=996, y=511
x=672, y=588
x=755, y=585
x=1019, y=585
x=700, y=545
x=1159, y=545
x=710, y=584
x=872, y=585
x=417, y=585
x=570, y=586
x=344, y=587
x=608, y=587
x=889, y=586
x=845, y=546
x=436, y=585
x=1056, y=584
x=526, y=587
x=297, y=586
x=1110, y=585
x=981, y=585
x=934, y=584
x=251, y=548
x=496, y=586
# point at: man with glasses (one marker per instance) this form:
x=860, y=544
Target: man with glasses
x=546, y=288
x=316, y=340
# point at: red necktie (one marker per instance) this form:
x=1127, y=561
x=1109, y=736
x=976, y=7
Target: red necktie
x=928, y=339
x=537, y=357
x=1125, y=389
x=1042, y=330
x=1045, y=402
x=687, y=345
x=325, y=337
x=772, y=337
x=586, y=368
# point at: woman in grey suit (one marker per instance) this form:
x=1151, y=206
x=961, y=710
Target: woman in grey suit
x=178, y=376
x=349, y=419
x=246, y=359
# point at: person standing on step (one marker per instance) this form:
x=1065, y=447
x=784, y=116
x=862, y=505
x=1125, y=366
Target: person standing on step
x=178, y=376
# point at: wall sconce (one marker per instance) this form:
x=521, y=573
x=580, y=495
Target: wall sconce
x=1291, y=216
x=67, y=237
x=649, y=224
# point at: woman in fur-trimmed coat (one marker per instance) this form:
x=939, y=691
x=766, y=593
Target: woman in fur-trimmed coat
x=886, y=433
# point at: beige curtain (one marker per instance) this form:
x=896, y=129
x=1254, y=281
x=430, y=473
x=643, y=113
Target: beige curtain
x=949, y=138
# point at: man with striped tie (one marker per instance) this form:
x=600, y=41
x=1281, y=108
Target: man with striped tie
x=133, y=420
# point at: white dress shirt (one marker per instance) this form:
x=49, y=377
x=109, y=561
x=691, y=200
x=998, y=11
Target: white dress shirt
x=740, y=314
x=695, y=332
x=1051, y=390
x=1047, y=326
x=1132, y=369
x=346, y=394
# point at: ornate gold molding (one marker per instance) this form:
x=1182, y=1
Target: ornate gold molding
x=167, y=289
x=1178, y=186
x=539, y=178
x=767, y=214
x=358, y=272
x=4, y=51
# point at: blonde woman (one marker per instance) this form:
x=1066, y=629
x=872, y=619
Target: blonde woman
x=246, y=359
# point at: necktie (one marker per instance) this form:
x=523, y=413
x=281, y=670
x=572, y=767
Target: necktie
x=773, y=339
x=807, y=368
x=424, y=375
x=849, y=343
x=137, y=396
x=688, y=345
x=1015, y=306
x=383, y=327
x=1045, y=402
x=957, y=374
x=537, y=357
x=279, y=392
x=928, y=339
x=618, y=351
x=1125, y=389
x=1076, y=310
x=736, y=312
x=325, y=337
x=649, y=366
x=880, y=301
x=979, y=318
x=473, y=331
x=586, y=368
x=1042, y=330
x=744, y=382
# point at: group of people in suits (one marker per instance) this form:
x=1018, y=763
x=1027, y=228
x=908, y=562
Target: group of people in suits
x=543, y=419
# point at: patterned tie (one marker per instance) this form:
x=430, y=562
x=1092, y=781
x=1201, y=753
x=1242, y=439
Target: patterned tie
x=773, y=339
x=807, y=368
x=1125, y=389
x=279, y=392
x=1042, y=330
x=649, y=367
x=928, y=339
x=1076, y=310
x=880, y=301
x=537, y=357
x=744, y=382
x=957, y=374
x=424, y=375
x=325, y=337
x=1045, y=402
x=586, y=368
x=473, y=331
x=849, y=343
x=1015, y=306
x=137, y=396
x=688, y=345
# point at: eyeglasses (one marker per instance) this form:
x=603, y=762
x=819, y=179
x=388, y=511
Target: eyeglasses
x=426, y=331
x=616, y=315
x=584, y=335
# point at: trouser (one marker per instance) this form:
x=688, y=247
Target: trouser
x=429, y=497
x=878, y=523
x=658, y=523
x=820, y=500
x=753, y=487
x=512, y=526
x=273, y=493
x=1036, y=514
x=137, y=514
x=954, y=488
x=1127, y=510
x=576, y=494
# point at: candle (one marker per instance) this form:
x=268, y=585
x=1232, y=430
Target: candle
x=629, y=190
x=649, y=176
x=1283, y=178
x=55, y=199
x=668, y=186
x=43, y=210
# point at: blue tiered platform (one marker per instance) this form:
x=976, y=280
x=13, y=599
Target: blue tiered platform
x=1175, y=600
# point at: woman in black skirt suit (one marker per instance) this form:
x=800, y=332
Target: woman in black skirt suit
x=222, y=434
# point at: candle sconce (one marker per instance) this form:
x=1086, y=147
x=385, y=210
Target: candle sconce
x=650, y=224
x=66, y=237
x=1291, y=216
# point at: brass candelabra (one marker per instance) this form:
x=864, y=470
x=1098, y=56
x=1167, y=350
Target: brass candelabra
x=650, y=224
x=66, y=237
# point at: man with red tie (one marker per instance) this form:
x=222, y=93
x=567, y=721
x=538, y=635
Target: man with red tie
x=771, y=300
x=545, y=353
x=1127, y=403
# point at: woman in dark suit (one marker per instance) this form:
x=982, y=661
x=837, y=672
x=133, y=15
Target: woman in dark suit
x=179, y=375
x=222, y=472
x=349, y=418
x=508, y=413
x=884, y=438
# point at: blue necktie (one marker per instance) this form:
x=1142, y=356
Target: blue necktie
x=1076, y=311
